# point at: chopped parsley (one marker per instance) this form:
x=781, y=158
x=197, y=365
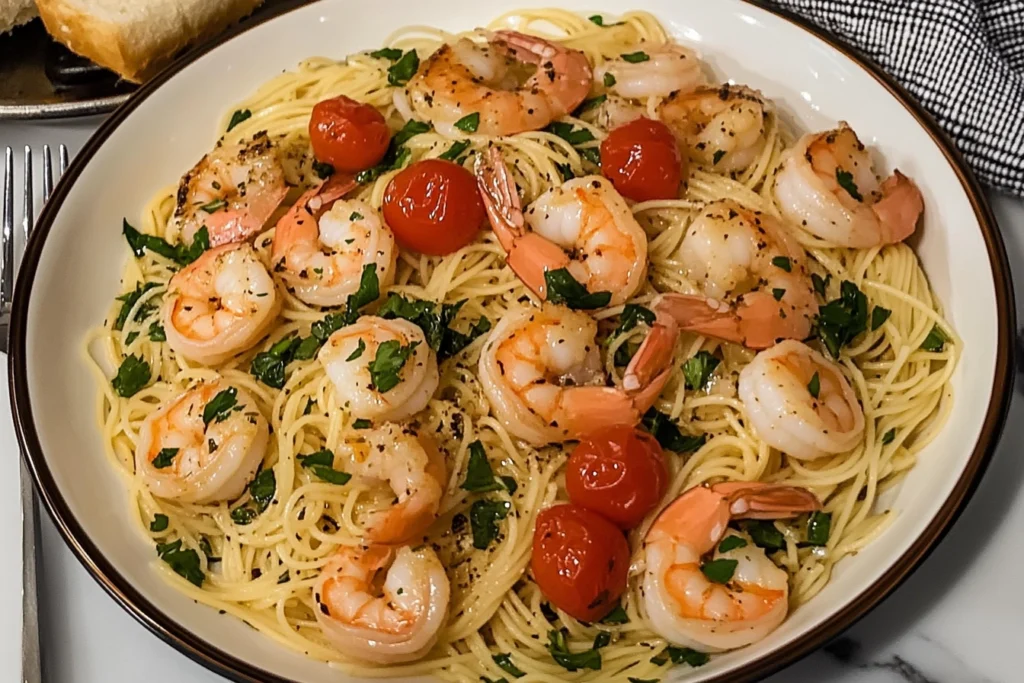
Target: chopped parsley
x=453, y=152
x=609, y=80
x=159, y=523
x=238, y=117
x=179, y=253
x=397, y=153
x=819, y=524
x=632, y=315
x=573, y=661
x=321, y=464
x=165, y=458
x=436, y=323
x=778, y=293
x=814, y=386
x=845, y=180
x=682, y=655
x=889, y=437
x=361, y=423
x=262, y=488
x=935, y=341
x=616, y=616
x=204, y=545
x=591, y=103
x=214, y=206
x=821, y=284
x=719, y=153
x=220, y=406
x=484, y=516
x=184, y=562
x=156, y=332
x=635, y=57
x=668, y=434
x=719, y=571
x=597, y=19
x=842, y=319
x=404, y=68
x=323, y=170
x=132, y=375
x=480, y=477
x=732, y=542
x=878, y=317
x=360, y=347
x=783, y=262
x=504, y=661
x=698, y=370
x=764, y=534
x=129, y=300
x=387, y=365
x=469, y=123
x=563, y=288
x=392, y=54
x=570, y=133
x=243, y=515
x=268, y=366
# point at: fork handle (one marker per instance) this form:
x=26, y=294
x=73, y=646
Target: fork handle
x=31, y=663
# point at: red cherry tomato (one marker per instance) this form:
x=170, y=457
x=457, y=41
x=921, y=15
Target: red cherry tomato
x=580, y=561
x=349, y=135
x=618, y=472
x=643, y=161
x=433, y=207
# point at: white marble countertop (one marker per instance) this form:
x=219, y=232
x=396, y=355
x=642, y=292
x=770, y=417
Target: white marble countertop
x=958, y=619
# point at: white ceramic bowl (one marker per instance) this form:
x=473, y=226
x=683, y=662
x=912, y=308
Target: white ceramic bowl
x=76, y=256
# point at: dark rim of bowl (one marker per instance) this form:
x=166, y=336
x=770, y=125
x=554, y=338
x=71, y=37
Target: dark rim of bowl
x=234, y=668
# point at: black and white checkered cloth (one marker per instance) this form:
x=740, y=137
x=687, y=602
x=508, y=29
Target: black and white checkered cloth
x=962, y=59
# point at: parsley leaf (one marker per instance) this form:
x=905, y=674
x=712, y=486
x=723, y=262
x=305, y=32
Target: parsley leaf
x=165, y=458
x=455, y=150
x=238, y=117
x=504, y=661
x=243, y=515
x=268, y=366
x=214, y=206
x=397, y=153
x=668, y=434
x=156, y=332
x=684, y=655
x=220, y=405
x=323, y=170
x=360, y=347
x=889, y=437
x=129, y=300
x=484, y=516
x=179, y=253
x=159, y=523
x=479, y=474
x=719, y=571
x=732, y=543
x=632, y=315
x=697, y=370
x=262, y=488
x=573, y=661
x=469, y=123
x=132, y=375
x=821, y=284
x=783, y=263
x=842, y=319
x=845, y=180
x=563, y=288
x=405, y=68
x=436, y=325
x=567, y=132
x=184, y=562
x=321, y=464
x=388, y=363
x=361, y=423
x=719, y=153
x=814, y=386
x=635, y=57
x=764, y=534
x=878, y=317
x=411, y=129
x=935, y=341
x=616, y=616
x=590, y=103
x=778, y=293
x=391, y=54
x=609, y=80
x=597, y=19
x=818, y=527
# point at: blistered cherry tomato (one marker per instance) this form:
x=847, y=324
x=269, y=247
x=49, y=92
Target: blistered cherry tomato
x=349, y=135
x=643, y=161
x=618, y=472
x=580, y=561
x=433, y=207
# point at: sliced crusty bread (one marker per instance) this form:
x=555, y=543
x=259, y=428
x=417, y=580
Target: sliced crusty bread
x=15, y=13
x=137, y=38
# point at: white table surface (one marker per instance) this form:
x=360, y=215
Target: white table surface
x=958, y=619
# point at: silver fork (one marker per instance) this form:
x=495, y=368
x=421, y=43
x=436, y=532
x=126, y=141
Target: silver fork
x=31, y=671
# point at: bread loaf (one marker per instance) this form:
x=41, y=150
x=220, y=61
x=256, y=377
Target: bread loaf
x=15, y=12
x=136, y=38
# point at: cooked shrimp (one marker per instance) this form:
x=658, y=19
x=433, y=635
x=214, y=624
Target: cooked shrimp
x=614, y=111
x=720, y=127
x=322, y=244
x=232, y=192
x=349, y=353
x=754, y=287
x=492, y=80
x=414, y=469
x=397, y=622
x=220, y=304
x=683, y=605
x=666, y=69
x=188, y=455
x=541, y=371
x=585, y=217
x=790, y=413
x=827, y=184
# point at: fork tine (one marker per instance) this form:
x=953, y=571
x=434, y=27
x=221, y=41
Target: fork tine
x=30, y=212
x=7, y=236
x=47, y=173
x=63, y=159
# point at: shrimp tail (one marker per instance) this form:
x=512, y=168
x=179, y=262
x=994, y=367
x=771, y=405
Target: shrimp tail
x=655, y=353
x=899, y=209
x=584, y=408
x=567, y=71
x=529, y=254
x=225, y=227
x=758, y=500
x=299, y=222
x=754, y=321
